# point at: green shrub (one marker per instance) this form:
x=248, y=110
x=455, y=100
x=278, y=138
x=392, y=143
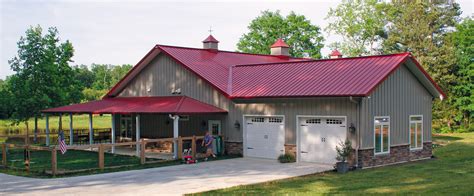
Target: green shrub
x=287, y=158
x=344, y=150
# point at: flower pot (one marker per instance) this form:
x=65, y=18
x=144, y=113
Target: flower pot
x=342, y=167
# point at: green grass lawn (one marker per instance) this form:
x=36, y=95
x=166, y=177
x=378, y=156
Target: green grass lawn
x=79, y=122
x=451, y=173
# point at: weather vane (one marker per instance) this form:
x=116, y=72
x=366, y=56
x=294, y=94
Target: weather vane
x=210, y=30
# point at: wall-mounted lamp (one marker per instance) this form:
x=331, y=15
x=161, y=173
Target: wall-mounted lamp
x=237, y=124
x=203, y=124
x=167, y=122
x=352, y=128
x=176, y=91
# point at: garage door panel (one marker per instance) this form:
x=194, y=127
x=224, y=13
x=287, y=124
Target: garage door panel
x=319, y=137
x=265, y=137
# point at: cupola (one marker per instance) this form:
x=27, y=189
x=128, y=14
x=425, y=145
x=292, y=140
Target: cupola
x=280, y=48
x=210, y=43
x=335, y=54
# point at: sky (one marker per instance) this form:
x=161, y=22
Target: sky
x=122, y=32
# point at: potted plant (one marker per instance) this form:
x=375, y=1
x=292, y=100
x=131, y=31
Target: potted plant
x=344, y=150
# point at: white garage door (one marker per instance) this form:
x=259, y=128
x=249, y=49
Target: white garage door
x=319, y=137
x=265, y=137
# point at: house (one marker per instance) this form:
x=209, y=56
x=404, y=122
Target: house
x=266, y=105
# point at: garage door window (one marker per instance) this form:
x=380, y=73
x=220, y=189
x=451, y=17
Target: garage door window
x=313, y=121
x=416, y=131
x=275, y=120
x=333, y=121
x=382, y=135
x=259, y=119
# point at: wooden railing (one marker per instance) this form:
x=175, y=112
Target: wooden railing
x=101, y=149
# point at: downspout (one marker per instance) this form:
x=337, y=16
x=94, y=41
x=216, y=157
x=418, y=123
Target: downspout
x=175, y=134
x=358, y=129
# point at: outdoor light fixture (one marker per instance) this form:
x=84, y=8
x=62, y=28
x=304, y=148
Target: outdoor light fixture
x=203, y=123
x=237, y=124
x=352, y=128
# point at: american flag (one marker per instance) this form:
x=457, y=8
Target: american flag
x=62, y=143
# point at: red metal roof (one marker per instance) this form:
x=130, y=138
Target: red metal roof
x=279, y=43
x=210, y=38
x=242, y=75
x=127, y=105
x=331, y=77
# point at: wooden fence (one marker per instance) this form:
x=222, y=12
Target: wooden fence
x=101, y=150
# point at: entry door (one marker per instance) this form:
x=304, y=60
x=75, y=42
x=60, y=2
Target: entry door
x=215, y=127
x=319, y=137
x=126, y=127
x=264, y=137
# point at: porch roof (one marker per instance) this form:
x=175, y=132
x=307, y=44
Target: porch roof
x=128, y=105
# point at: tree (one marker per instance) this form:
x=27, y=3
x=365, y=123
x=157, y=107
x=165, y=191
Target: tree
x=43, y=77
x=361, y=25
x=84, y=76
x=106, y=76
x=5, y=99
x=296, y=30
x=463, y=87
x=422, y=28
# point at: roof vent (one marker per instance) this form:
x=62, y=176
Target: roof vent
x=210, y=43
x=280, y=48
x=335, y=54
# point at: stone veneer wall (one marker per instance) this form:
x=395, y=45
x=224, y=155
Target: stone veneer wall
x=234, y=148
x=290, y=148
x=397, y=154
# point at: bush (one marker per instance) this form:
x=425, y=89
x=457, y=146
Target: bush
x=344, y=150
x=287, y=158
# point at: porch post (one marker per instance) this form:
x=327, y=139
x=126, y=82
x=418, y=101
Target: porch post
x=47, y=130
x=137, y=123
x=175, y=134
x=71, y=131
x=35, y=138
x=112, y=136
x=91, y=130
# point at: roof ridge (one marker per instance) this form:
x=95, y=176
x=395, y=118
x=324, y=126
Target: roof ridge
x=244, y=53
x=229, y=81
x=319, y=60
x=178, y=106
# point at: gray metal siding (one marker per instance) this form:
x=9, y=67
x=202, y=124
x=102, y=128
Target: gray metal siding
x=164, y=74
x=290, y=108
x=399, y=96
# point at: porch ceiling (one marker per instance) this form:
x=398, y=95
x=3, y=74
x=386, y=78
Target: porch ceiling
x=129, y=105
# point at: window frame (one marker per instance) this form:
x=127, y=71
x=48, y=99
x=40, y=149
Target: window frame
x=389, y=141
x=409, y=131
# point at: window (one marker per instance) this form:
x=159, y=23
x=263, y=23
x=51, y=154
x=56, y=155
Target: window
x=275, y=120
x=333, y=121
x=313, y=121
x=416, y=131
x=382, y=134
x=258, y=119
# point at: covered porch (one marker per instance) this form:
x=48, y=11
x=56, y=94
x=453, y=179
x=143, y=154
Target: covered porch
x=137, y=118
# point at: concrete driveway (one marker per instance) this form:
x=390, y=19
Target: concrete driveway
x=172, y=180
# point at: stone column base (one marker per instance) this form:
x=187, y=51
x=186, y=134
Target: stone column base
x=291, y=149
x=234, y=148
